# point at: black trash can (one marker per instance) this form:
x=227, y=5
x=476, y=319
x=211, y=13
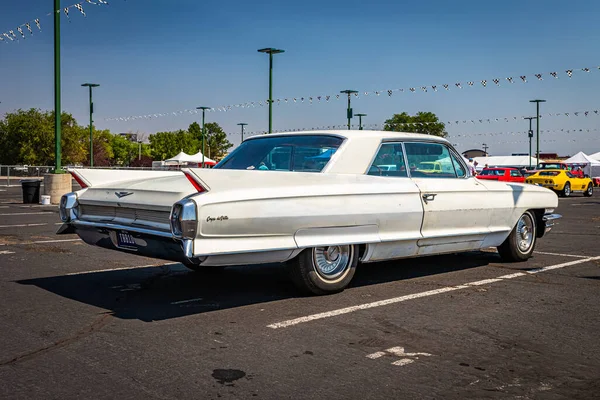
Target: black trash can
x=31, y=191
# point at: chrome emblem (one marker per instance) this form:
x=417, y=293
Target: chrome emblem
x=123, y=194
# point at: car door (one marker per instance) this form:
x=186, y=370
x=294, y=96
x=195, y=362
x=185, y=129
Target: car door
x=456, y=212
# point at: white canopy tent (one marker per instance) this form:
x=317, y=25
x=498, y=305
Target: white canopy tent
x=591, y=167
x=180, y=158
x=595, y=156
x=505, y=161
x=190, y=158
x=197, y=158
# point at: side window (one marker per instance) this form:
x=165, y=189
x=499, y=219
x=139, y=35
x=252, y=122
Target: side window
x=389, y=161
x=458, y=167
x=514, y=172
x=431, y=160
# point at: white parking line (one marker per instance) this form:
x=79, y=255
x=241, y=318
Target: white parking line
x=186, y=301
x=7, y=252
x=40, y=241
x=120, y=268
x=347, y=310
x=20, y=225
x=560, y=254
x=28, y=213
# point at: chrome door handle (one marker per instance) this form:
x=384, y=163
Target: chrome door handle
x=429, y=197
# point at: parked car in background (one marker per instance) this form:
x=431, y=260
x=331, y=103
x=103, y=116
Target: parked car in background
x=361, y=205
x=563, y=182
x=544, y=166
x=501, y=174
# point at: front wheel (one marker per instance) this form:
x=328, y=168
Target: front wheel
x=566, y=192
x=519, y=245
x=589, y=191
x=324, y=270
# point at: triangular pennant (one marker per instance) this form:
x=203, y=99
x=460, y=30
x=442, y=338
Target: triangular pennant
x=28, y=26
x=496, y=81
x=80, y=8
x=510, y=79
x=569, y=72
x=484, y=83
x=539, y=76
x=554, y=74
x=21, y=32
x=523, y=78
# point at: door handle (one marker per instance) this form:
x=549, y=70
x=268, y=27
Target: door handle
x=429, y=197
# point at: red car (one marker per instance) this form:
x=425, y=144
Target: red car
x=502, y=174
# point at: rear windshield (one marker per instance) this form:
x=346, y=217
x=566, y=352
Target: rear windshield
x=551, y=166
x=304, y=153
x=549, y=173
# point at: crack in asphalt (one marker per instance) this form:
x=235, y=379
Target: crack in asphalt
x=96, y=325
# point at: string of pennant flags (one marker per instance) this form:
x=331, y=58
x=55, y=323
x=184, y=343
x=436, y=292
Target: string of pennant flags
x=10, y=36
x=327, y=98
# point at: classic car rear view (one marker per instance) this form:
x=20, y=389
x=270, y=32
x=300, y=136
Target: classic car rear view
x=319, y=203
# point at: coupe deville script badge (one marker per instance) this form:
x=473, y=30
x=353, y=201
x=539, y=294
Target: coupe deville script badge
x=123, y=194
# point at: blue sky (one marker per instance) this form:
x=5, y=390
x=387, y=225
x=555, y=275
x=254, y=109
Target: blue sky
x=158, y=56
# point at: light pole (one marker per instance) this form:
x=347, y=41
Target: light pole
x=203, y=110
x=349, y=111
x=537, y=114
x=271, y=51
x=91, y=85
x=57, y=112
x=485, y=147
x=530, y=134
x=242, y=125
x=360, y=120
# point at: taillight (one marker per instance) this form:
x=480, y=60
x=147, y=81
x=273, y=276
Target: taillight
x=78, y=180
x=194, y=182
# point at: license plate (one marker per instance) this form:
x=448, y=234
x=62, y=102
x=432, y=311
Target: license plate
x=124, y=239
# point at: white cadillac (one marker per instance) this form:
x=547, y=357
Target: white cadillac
x=320, y=201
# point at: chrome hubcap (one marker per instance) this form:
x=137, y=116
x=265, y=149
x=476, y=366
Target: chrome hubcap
x=567, y=190
x=525, y=233
x=332, y=261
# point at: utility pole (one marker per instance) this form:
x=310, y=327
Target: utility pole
x=537, y=114
x=271, y=51
x=242, y=125
x=57, y=111
x=360, y=120
x=91, y=85
x=485, y=147
x=349, y=110
x=530, y=134
x=203, y=134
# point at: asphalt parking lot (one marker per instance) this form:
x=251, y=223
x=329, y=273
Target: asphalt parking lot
x=83, y=322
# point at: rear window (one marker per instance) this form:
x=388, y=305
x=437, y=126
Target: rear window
x=551, y=166
x=304, y=153
x=549, y=173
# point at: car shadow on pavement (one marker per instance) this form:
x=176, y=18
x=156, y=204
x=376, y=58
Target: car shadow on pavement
x=172, y=291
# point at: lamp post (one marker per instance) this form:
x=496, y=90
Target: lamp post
x=360, y=120
x=57, y=112
x=537, y=114
x=485, y=147
x=530, y=134
x=349, y=111
x=242, y=125
x=203, y=135
x=91, y=85
x=270, y=51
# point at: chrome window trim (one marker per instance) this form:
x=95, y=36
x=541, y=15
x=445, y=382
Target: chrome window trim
x=389, y=141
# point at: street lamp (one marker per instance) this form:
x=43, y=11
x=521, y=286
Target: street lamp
x=530, y=134
x=91, y=85
x=537, y=114
x=485, y=147
x=242, y=125
x=360, y=120
x=203, y=110
x=270, y=51
x=349, y=111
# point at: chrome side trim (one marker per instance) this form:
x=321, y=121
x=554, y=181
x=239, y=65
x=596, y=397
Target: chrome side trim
x=108, y=225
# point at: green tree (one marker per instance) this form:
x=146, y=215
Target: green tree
x=165, y=145
x=216, y=141
x=422, y=122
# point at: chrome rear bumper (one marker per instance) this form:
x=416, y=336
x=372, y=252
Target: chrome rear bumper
x=549, y=221
x=148, y=242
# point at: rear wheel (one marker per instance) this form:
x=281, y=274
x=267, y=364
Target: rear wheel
x=324, y=270
x=589, y=191
x=566, y=192
x=519, y=245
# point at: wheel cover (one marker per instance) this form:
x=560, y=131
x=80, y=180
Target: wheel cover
x=590, y=190
x=525, y=233
x=332, y=261
x=567, y=189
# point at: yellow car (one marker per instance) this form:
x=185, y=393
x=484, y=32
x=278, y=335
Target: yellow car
x=561, y=181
